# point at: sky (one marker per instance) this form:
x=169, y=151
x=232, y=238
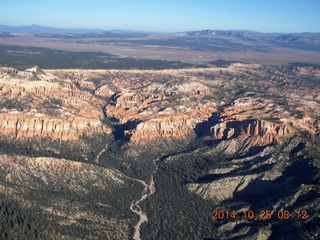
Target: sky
x=166, y=15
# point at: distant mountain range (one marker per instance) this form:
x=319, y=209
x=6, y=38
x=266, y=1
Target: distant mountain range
x=214, y=40
x=256, y=36
x=36, y=29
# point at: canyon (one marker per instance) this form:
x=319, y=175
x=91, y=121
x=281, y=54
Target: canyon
x=78, y=148
x=66, y=104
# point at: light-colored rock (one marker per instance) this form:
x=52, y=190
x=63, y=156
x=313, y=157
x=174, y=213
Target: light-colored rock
x=221, y=189
x=264, y=132
x=59, y=110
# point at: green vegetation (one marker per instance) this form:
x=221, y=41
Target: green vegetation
x=94, y=212
x=47, y=147
x=50, y=107
x=13, y=104
x=26, y=57
x=17, y=222
x=103, y=212
x=174, y=212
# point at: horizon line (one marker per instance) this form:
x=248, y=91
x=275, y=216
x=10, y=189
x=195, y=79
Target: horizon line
x=151, y=31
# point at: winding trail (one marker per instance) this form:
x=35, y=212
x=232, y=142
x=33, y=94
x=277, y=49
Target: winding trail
x=103, y=150
x=147, y=192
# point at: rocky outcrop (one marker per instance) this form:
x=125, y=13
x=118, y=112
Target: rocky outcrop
x=261, y=132
x=72, y=175
x=174, y=103
x=306, y=123
x=165, y=103
x=221, y=189
x=168, y=128
x=308, y=70
x=42, y=103
x=104, y=91
x=21, y=125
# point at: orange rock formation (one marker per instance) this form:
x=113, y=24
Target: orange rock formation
x=249, y=102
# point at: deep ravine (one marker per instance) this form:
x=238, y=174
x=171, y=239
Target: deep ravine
x=147, y=192
x=134, y=207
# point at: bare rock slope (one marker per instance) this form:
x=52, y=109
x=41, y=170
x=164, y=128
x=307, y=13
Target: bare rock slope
x=262, y=121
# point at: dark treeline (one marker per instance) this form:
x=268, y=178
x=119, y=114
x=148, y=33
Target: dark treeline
x=41, y=147
x=26, y=57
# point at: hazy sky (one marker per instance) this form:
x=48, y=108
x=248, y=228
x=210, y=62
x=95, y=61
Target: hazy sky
x=166, y=15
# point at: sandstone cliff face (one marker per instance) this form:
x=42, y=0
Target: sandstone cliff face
x=241, y=106
x=20, y=125
x=39, y=103
x=165, y=103
x=168, y=127
x=263, y=132
x=306, y=123
x=159, y=117
x=173, y=103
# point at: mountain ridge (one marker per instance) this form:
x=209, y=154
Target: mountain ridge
x=35, y=28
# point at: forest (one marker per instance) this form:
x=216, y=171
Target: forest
x=25, y=57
